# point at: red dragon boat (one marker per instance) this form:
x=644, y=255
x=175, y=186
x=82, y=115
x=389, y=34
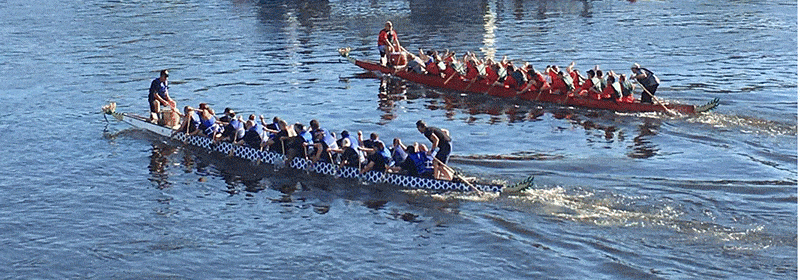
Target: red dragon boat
x=458, y=84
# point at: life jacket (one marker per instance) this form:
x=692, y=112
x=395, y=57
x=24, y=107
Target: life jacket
x=650, y=79
x=558, y=84
x=597, y=85
x=194, y=121
x=472, y=71
x=502, y=74
x=491, y=75
x=432, y=68
x=519, y=77
x=209, y=126
x=576, y=79
x=569, y=82
x=458, y=67
x=306, y=136
x=422, y=162
x=328, y=139
x=383, y=36
x=232, y=128
x=627, y=88
x=608, y=92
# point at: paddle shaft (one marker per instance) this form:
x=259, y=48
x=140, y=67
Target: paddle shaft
x=451, y=76
x=451, y=170
x=644, y=89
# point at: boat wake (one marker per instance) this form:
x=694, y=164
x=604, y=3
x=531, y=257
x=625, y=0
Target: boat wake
x=517, y=156
x=746, y=124
x=608, y=210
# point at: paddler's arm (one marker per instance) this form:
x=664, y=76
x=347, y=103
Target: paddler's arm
x=570, y=66
x=360, y=137
x=434, y=143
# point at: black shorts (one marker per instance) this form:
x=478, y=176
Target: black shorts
x=444, y=153
x=154, y=106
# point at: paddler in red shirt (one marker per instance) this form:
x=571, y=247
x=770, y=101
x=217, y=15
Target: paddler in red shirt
x=611, y=89
x=557, y=77
x=491, y=72
x=576, y=77
x=385, y=41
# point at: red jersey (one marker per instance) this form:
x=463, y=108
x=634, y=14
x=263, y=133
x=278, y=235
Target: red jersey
x=608, y=92
x=472, y=71
x=575, y=79
x=383, y=36
x=491, y=75
x=541, y=83
x=432, y=68
x=587, y=85
x=558, y=84
x=625, y=99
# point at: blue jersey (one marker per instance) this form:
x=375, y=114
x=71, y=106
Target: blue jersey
x=158, y=87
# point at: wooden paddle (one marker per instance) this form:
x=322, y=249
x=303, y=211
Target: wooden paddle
x=490, y=88
x=644, y=89
x=451, y=76
x=527, y=86
x=470, y=84
x=452, y=171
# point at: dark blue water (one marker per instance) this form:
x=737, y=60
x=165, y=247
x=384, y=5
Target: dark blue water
x=618, y=196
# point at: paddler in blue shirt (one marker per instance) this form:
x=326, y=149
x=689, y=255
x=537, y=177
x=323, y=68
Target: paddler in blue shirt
x=648, y=80
x=323, y=141
x=251, y=137
x=159, y=95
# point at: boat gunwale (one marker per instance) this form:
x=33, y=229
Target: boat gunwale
x=269, y=157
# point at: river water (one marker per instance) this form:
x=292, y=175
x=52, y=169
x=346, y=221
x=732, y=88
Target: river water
x=617, y=196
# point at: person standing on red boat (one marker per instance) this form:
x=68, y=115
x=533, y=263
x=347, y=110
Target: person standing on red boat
x=387, y=38
x=648, y=80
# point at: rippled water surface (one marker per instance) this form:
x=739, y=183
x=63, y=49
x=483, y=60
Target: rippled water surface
x=618, y=196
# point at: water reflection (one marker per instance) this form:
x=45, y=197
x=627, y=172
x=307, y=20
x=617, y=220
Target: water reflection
x=159, y=161
x=642, y=147
x=388, y=94
x=489, y=26
x=499, y=111
x=303, y=13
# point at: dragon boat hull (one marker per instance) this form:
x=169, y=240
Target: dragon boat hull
x=457, y=84
x=268, y=157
